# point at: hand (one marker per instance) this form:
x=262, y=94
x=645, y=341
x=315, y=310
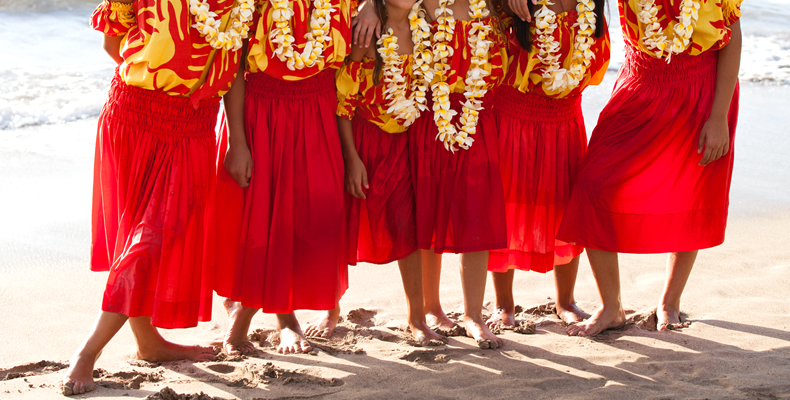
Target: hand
x=365, y=24
x=714, y=140
x=356, y=177
x=238, y=163
x=521, y=8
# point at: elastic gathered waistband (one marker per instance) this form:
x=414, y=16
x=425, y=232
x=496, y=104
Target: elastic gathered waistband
x=681, y=69
x=262, y=84
x=157, y=112
x=529, y=106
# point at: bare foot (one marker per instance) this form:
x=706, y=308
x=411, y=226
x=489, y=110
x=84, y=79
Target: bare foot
x=166, y=351
x=442, y=325
x=601, y=320
x=477, y=329
x=235, y=341
x=424, y=336
x=292, y=339
x=570, y=313
x=668, y=319
x=325, y=324
x=79, y=377
x=502, y=319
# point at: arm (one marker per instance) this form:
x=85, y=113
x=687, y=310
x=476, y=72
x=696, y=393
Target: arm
x=714, y=139
x=365, y=24
x=356, y=175
x=112, y=45
x=238, y=160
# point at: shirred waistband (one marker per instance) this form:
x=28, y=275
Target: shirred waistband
x=682, y=68
x=515, y=103
x=157, y=112
x=457, y=101
x=263, y=84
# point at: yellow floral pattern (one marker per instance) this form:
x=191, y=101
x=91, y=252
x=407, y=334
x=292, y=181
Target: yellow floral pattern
x=710, y=31
x=263, y=50
x=162, y=51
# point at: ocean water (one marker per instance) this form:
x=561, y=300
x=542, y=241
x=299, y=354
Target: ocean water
x=54, y=70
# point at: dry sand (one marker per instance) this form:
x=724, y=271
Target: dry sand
x=738, y=345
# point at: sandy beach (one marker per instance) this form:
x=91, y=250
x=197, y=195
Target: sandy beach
x=738, y=345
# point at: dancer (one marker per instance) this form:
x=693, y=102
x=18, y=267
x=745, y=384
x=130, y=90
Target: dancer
x=657, y=174
x=153, y=172
x=381, y=91
x=542, y=141
x=455, y=169
x=281, y=226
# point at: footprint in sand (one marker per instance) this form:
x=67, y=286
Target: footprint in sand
x=37, y=368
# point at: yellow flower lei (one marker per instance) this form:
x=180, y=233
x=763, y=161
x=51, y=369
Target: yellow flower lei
x=556, y=78
x=207, y=23
x=407, y=109
x=474, y=89
x=655, y=40
x=313, y=53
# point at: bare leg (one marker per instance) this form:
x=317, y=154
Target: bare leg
x=235, y=341
x=325, y=324
x=474, y=267
x=411, y=275
x=79, y=377
x=292, y=339
x=434, y=315
x=607, y=276
x=504, y=317
x=678, y=270
x=565, y=283
x=151, y=346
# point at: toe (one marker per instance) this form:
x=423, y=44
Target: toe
x=326, y=333
x=306, y=347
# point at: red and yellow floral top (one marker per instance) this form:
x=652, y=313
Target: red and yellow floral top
x=710, y=33
x=525, y=71
x=358, y=95
x=261, y=54
x=162, y=51
x=460, y=62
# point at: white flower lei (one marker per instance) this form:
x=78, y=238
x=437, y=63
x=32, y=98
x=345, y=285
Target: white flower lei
x=407, y=109
x=654, y=38
x=554, y=76
x=207, y=23
x=320, y=19
x=474, y=89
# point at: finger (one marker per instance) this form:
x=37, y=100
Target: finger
x=358, y=190
x=719, y=153
x=516, y=6
x=706, y=157
x=378, y=30
x=354, y=22
x=365, y=179
x=367, y=34
x=701, y=143
x=726, y=149
x=356, y=34
x=248, y=173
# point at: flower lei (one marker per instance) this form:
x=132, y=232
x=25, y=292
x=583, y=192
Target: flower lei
x=654, y=38
x=313, y=53
x=407, y=109
x=474, y=89
x=207, y=23
x=554, y=76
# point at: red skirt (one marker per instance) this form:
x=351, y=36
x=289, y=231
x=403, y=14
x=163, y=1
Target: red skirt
x=641, y=189
x=281, y=242
x=459, y=198
x=541, y=145
x=152, y=178
x=382, y=226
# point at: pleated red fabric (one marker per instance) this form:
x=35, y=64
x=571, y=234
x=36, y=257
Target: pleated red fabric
x=541, y=145
x=281, y=242
x=152, y=179
x=641, y=189
x=459, y=198
x=381, y=227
